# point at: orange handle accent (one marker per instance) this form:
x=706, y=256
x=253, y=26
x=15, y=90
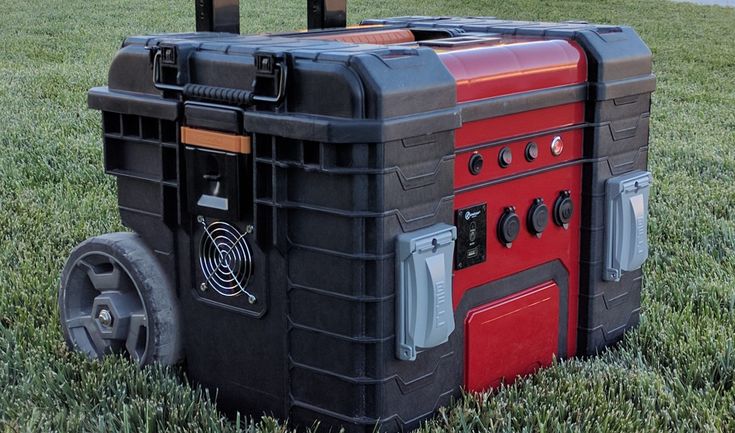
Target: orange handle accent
x=378, y=37
x=216, y=140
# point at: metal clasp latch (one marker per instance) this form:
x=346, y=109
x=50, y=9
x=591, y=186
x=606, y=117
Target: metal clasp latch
x=267, y=66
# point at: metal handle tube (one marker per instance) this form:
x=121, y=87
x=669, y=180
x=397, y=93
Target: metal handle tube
x=218, y=16
x=326, y=14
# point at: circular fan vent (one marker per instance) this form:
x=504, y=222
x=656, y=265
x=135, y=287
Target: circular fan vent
x=225, y=259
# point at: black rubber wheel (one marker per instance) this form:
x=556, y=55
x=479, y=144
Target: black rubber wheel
x=114, y=298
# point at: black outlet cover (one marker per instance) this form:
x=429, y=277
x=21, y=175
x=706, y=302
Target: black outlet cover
x=509, y=226
x=538, y=217
x=563, y=209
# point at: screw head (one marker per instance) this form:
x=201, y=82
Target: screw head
x=203, y=287
x=251, y=299
x=105, y=317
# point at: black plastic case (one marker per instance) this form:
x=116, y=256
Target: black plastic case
x=360, y=151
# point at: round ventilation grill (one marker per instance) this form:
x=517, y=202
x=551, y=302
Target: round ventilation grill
x=225, y=259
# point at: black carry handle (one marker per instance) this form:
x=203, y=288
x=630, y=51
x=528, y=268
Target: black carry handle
x=267, y=66
x=222, y=95
x=224, y=15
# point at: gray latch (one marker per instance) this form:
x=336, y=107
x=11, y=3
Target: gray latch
x=424, y=313
x=626, y=221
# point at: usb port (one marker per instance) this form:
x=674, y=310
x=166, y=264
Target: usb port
x=472, y=252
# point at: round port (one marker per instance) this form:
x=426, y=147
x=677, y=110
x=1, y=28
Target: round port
x=509, y=226
x=563, y=209
x=538, y=217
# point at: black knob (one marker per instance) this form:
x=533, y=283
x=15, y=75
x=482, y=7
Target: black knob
x=563, y=209
x=531, y=151
x=505, y=157
x=509, y=226
x=538, y=217
x=476, y=163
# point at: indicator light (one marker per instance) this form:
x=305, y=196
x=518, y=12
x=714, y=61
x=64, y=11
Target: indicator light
x=557, y=146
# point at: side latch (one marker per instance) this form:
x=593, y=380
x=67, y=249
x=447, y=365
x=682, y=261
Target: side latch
x=425, y=316
x=626, y=223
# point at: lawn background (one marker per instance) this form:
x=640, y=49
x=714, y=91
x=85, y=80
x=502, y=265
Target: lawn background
x=674, y=374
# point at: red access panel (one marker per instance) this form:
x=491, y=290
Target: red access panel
x=511, y=337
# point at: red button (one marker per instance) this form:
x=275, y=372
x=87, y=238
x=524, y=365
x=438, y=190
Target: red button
x=557, y=146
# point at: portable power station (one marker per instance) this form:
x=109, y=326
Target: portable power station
x=351, y=225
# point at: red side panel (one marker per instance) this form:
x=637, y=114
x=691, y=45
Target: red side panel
x=528, y=251
x=518, y=334
x=511, y=337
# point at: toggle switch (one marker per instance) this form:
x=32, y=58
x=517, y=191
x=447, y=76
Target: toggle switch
x=531, y=151
x=476, y=163
x=505, y=157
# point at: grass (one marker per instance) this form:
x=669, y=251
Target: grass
x=675, y=373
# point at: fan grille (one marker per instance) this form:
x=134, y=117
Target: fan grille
x=225, y=259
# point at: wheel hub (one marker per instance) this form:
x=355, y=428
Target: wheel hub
x=105, y=312
x=105, y=318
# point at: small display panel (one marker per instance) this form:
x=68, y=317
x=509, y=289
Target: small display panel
x=471, y=225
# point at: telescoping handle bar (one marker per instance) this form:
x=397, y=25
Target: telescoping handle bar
x=326, y=14
x=224, y=15
x=218, y=16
